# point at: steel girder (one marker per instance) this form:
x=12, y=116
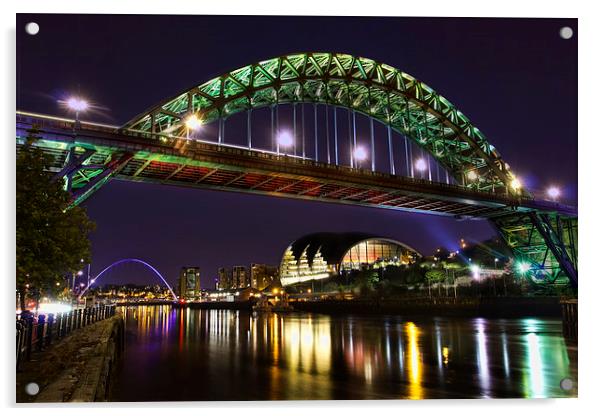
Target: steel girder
x=377, y=90
x=545, y=242
x=83, y=177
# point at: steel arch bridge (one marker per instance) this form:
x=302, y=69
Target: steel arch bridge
x=130, y=260
x=377, y=90
x=159, y=146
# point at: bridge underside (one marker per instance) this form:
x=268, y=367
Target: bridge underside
x=88, y=158
x=252, y=172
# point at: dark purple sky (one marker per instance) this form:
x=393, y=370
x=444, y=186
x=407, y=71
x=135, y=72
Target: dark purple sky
x=516, y=79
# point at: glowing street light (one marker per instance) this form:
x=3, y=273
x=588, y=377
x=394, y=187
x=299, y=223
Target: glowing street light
x=515, y=184
x=420, y=165
x=472, y=175
x=285, y=138
x=78, y=105
x=360, y=154
x=476, y=270
x=553, y=192
x=193, y=122
x=80, y=273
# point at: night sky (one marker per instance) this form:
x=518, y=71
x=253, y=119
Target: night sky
x=516, y=79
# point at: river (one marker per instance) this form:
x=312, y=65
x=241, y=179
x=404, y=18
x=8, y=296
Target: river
x=190, y=354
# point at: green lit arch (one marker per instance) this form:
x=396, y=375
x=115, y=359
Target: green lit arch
x=374, y=89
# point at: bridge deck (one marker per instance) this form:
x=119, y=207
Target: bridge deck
x=181, y=162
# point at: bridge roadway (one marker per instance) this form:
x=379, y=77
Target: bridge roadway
x=107, y=152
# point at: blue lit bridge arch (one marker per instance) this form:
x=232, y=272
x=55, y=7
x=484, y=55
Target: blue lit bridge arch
x=147, y=265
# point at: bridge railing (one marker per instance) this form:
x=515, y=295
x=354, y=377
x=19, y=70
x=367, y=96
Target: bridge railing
x=37, y=333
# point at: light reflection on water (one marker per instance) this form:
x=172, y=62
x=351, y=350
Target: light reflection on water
x=186, y=354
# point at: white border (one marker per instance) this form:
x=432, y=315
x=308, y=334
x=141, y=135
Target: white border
x=590, y=68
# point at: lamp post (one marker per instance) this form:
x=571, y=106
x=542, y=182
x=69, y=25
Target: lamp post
x=78, y=105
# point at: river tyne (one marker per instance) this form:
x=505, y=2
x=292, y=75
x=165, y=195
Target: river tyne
x=174, y=354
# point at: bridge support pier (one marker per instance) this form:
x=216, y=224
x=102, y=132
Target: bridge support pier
x=547, y=245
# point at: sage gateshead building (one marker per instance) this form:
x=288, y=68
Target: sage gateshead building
x=324, y=255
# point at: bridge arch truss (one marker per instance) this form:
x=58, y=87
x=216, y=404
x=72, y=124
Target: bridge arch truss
x=377, y=90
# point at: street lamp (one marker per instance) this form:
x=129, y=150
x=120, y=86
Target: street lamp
x=515, y=184
x=420, y=165
x=78, y=105
x=192, y=123
x=285, y=139
x=553, y=192
x=476, y=270
x=359, y=154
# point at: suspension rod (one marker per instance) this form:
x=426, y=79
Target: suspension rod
x=428, y=162
x=316, y=130
x=277, y=131
x=273, y=133
x=336, y=138
x=350, y=138
x=249, y=128
x=354, y=131
x=390, y=138
x=295, y=129
x=327, y=136
x=220, y=130
x=405, y=142
x=303, y=129
x=411, y=161
x=372, y=155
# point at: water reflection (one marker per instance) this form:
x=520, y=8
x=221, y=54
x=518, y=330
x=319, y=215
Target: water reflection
x=415, y=362
x=183, y=354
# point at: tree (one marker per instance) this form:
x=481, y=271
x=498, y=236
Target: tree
x=51, y=238
x=435, y=275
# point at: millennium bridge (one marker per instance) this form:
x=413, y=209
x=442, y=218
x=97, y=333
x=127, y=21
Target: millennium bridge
x=324, y=127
